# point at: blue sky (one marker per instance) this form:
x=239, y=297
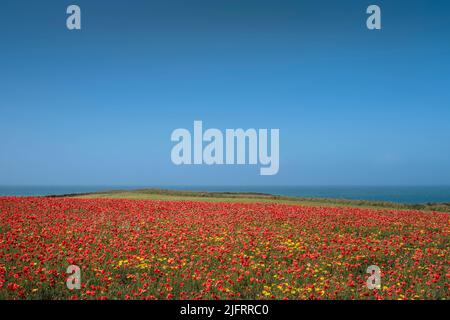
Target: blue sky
x=97, y=106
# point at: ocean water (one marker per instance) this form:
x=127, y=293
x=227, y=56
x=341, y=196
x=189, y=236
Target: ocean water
x=400, y=194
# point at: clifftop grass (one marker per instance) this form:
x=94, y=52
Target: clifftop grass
x=174, y=195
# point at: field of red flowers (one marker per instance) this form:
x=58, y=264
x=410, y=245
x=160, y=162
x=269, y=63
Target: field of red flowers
x=142, y=249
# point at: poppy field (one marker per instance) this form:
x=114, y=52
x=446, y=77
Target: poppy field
x=149, y=249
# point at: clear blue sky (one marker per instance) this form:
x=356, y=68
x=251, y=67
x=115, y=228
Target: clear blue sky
x=97, y=106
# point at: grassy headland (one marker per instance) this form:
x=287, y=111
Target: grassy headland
x=176, y=195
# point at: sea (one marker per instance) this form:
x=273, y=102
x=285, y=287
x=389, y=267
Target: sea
x=398, y=194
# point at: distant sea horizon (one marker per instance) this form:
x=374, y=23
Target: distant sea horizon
x=397, y=194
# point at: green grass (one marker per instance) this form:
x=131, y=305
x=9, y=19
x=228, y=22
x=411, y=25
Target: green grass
x=174, y=195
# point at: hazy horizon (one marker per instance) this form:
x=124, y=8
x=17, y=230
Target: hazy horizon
x=399, y=194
